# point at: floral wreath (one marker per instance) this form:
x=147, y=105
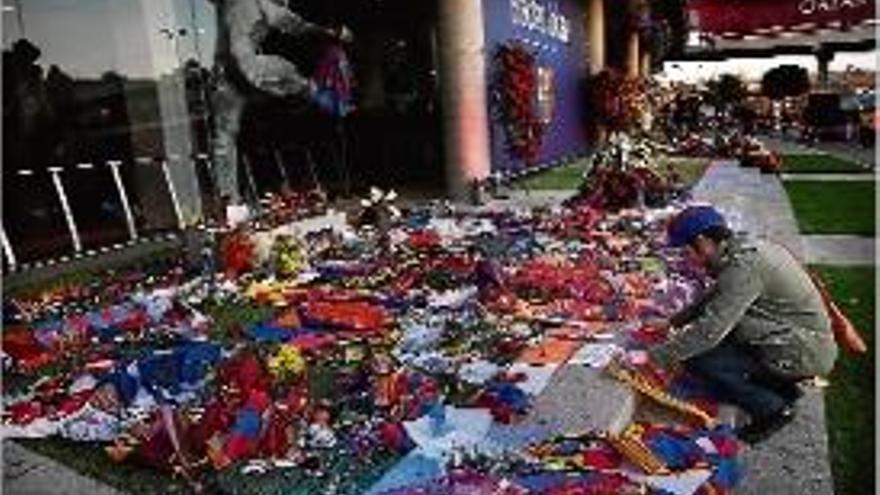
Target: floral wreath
x=515, y=92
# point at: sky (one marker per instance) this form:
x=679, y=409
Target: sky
x=753, y=69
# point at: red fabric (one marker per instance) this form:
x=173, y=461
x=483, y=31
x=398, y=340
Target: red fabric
x=423, y=239
x=259, y=400
x=726, y=446
x=19, y=343
x=845, y=332
x=275, y=442
x=217, y=418
x=353, y=315
x=238, y=447
x=74, y=402
x=312, y=341
x=743, y=17
x=23, y=413
x=238, y=254
x=393, y=436
x=602, y=458
x=245, y=372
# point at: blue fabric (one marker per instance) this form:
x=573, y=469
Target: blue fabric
x=413, y=469
x=418, y=219
x=733, y=375
x=96, y=320
x=691, y=222
x=728, y=472
x=264, y=332
x=677, y=453
x=196, y=359
x=107, y=334
x=160, y=372
x=247, y=423
x=126, y=385
x=542, y=482
x=511, y=395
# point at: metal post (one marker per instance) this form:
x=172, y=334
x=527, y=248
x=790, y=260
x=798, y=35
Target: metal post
x=7, y=248
x=68, y=214
x=173, y=192
x=129, y=219
x=280, y=163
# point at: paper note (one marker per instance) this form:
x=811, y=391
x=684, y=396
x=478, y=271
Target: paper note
x=595, y=355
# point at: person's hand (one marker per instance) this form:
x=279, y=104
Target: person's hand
x=631, y=360
x=345, y=34
x=342, y=33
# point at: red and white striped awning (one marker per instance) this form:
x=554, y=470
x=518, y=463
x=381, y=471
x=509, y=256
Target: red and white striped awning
x=736, y=19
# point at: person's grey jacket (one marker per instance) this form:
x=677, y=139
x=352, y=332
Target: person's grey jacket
x=763, y=299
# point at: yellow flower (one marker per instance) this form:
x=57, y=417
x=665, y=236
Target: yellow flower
x=287, y=363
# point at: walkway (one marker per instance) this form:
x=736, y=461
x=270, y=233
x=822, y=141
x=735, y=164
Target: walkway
x=809, y=177
x=795, y=460
x=845, y=151
x=29, y=473
x=751, y=202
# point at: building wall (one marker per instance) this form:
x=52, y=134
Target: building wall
x=566, y=134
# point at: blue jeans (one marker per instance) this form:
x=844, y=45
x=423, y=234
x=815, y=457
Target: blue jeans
x=734, y=375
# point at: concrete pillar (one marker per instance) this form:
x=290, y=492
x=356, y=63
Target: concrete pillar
x=462, y=72
x=823, y=57
x=632, y=61
x=596, y=35
x=645, y=63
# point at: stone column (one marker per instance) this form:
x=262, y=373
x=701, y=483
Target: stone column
x=462, y=73
x=632, y=61
x=645, y=62
x=824, y=57
x=596, y=35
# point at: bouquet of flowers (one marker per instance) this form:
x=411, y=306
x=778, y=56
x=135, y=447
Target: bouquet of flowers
x=618, y=101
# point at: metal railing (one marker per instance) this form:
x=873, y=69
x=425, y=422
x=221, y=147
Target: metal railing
x=18, y=253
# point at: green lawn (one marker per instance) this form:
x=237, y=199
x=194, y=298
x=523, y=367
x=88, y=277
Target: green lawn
x=849, y=401
x=833, y=207
x=689, y=170
x=819, y=163
x=558, y=178
x=568, y=177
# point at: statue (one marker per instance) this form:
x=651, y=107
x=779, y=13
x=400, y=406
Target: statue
x=246, y=71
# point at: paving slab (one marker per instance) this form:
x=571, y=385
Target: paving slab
x=844, y=250
x=28, y=473
x=810, y=177
x=752, y=202
x=795, y=460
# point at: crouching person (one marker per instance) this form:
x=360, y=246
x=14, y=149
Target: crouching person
x=760, y=330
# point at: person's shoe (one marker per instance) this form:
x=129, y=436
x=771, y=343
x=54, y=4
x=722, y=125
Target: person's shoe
x=791, y=393
x=760, y=429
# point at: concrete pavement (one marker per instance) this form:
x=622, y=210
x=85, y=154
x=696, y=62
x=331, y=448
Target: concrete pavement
x=28, y=473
